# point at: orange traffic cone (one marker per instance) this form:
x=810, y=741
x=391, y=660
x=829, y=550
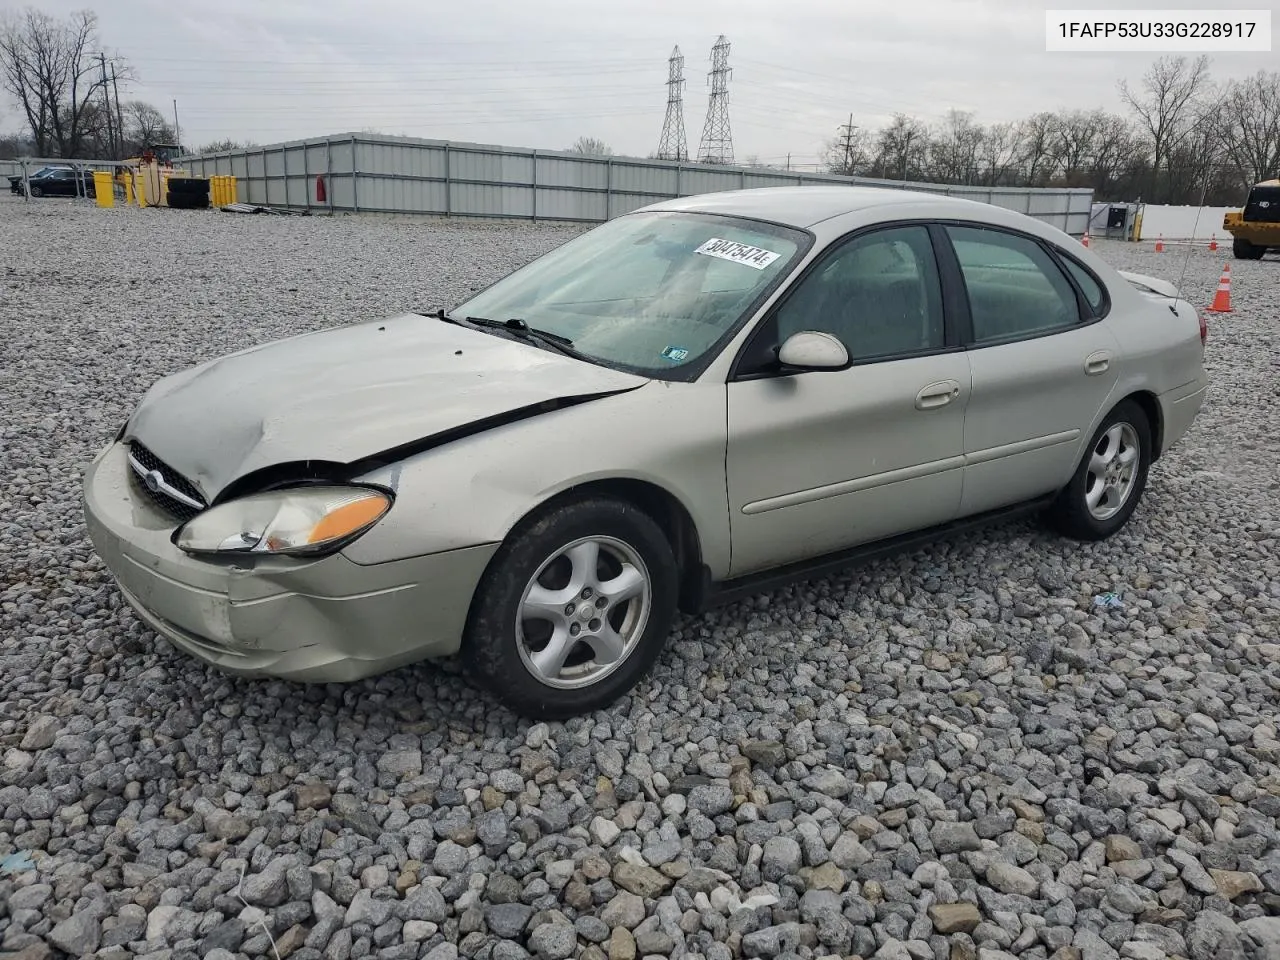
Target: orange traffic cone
x=1085, y=241
x=1213, y=241
x=1222, y=299
x=1160, y=244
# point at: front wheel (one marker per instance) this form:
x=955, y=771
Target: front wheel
x=37, y=192
x=1110, y=479
x=574, y=608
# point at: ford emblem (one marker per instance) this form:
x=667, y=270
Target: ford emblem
x=154, y=480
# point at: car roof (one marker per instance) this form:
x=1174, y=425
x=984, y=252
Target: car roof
x=806, y=206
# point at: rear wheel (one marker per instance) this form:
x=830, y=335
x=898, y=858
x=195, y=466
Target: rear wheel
x=1244, y=250
x=1109, y=482
x=37, y=192
x=573, y=610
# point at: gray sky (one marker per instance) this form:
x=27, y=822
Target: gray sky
x=541, y=74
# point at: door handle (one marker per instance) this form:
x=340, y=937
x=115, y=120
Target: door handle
x=937, y=394
x=1097, y=362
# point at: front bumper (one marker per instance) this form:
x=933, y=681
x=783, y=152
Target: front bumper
x=319, y=621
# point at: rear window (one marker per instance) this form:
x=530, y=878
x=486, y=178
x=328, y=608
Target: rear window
x=1263, y=205
x=1089, y=286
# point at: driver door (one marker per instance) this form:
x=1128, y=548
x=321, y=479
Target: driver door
x=823, y=460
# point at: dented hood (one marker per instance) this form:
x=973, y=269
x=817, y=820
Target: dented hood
x=349, y=393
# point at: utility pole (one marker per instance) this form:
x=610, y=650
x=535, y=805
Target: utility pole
x=177, y=131
x=106, y=100
x=788, y=162
x=846, y=144
x=906, y=156
x=119, y=117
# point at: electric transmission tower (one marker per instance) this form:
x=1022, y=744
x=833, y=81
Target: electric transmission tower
x=672, y=145
x=717, y=139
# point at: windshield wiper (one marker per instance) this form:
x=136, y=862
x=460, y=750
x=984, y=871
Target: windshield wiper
x=527, y=333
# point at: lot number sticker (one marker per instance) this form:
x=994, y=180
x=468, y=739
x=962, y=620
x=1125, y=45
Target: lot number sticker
x=735, y=252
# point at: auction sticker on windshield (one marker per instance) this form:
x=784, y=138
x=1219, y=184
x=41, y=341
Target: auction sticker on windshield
x=735, y=252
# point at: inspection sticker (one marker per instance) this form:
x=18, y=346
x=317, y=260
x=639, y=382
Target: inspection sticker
x=675, y=353
x=735, y=252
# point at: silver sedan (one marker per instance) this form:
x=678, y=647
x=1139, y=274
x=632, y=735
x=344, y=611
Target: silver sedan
x=692, y=401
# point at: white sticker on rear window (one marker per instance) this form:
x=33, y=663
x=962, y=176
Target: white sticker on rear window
x=735, y=252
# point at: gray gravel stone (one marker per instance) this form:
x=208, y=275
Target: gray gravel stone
x=874, y=713
x=553, y=941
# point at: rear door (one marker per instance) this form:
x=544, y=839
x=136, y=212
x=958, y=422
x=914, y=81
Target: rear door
x=1042, y=366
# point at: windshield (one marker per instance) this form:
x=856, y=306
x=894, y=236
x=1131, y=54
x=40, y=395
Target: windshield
x=649, y=291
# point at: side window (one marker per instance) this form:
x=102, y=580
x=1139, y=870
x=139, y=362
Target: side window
x=1015, y=288
x=879, y=293
x=1089, y=286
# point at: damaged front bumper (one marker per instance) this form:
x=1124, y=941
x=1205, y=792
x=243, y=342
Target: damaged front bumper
x=323, y=620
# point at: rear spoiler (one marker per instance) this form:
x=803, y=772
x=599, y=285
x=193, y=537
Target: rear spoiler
x=1162, y=288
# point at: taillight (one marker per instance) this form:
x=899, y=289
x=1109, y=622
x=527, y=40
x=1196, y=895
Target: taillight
x=1204, y=327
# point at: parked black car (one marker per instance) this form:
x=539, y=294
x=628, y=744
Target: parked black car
x=57, y=182
x=15, y=183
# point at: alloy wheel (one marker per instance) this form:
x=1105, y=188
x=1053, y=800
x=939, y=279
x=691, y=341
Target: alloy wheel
x=583, y=612
x=1113, y=471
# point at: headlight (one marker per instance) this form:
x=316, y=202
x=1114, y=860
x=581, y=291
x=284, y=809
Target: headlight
x=298, y=521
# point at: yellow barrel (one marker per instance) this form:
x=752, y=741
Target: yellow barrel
x=103, y=188
x=231, y=190
x=127, y=177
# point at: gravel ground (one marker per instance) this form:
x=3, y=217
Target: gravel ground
x=950, y=755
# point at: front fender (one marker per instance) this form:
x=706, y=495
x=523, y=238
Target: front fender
x=476, y=489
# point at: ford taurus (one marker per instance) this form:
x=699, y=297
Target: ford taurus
x=689, y=402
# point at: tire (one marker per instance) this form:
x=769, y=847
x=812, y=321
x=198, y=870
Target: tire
x=37, y=192
x=1124, y=429
x=506, y=652
x=183, y=201
x=1244, y=250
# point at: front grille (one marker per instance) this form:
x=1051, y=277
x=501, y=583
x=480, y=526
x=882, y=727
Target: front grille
x=175, y=508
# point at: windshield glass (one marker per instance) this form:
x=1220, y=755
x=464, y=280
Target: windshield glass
x=648, y=291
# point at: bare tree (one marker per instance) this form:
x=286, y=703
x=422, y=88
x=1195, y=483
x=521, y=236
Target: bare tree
x=901, y=148
x=1249, y=125
x=143, y=125
x=45, y=67
x=1166, y=105
x=221, y=146
x=998, y=154
x=1074, y=143
x=591, y=147
x=1115, y=148
x=1035, y=135
x=954, y=146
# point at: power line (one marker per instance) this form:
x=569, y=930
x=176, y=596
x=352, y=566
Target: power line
x=672, y=144
x=717, y=138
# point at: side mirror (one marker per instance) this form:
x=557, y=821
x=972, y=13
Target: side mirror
x=811, y=350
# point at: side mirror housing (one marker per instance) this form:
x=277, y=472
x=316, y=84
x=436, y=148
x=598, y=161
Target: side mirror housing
x=812, y=350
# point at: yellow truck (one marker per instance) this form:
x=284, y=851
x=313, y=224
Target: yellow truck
x=1256, y=228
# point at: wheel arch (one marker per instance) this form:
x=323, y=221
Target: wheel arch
x=1150, y=405
x=661, y=506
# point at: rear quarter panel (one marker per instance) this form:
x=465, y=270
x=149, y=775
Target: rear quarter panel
x=1160, y=348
